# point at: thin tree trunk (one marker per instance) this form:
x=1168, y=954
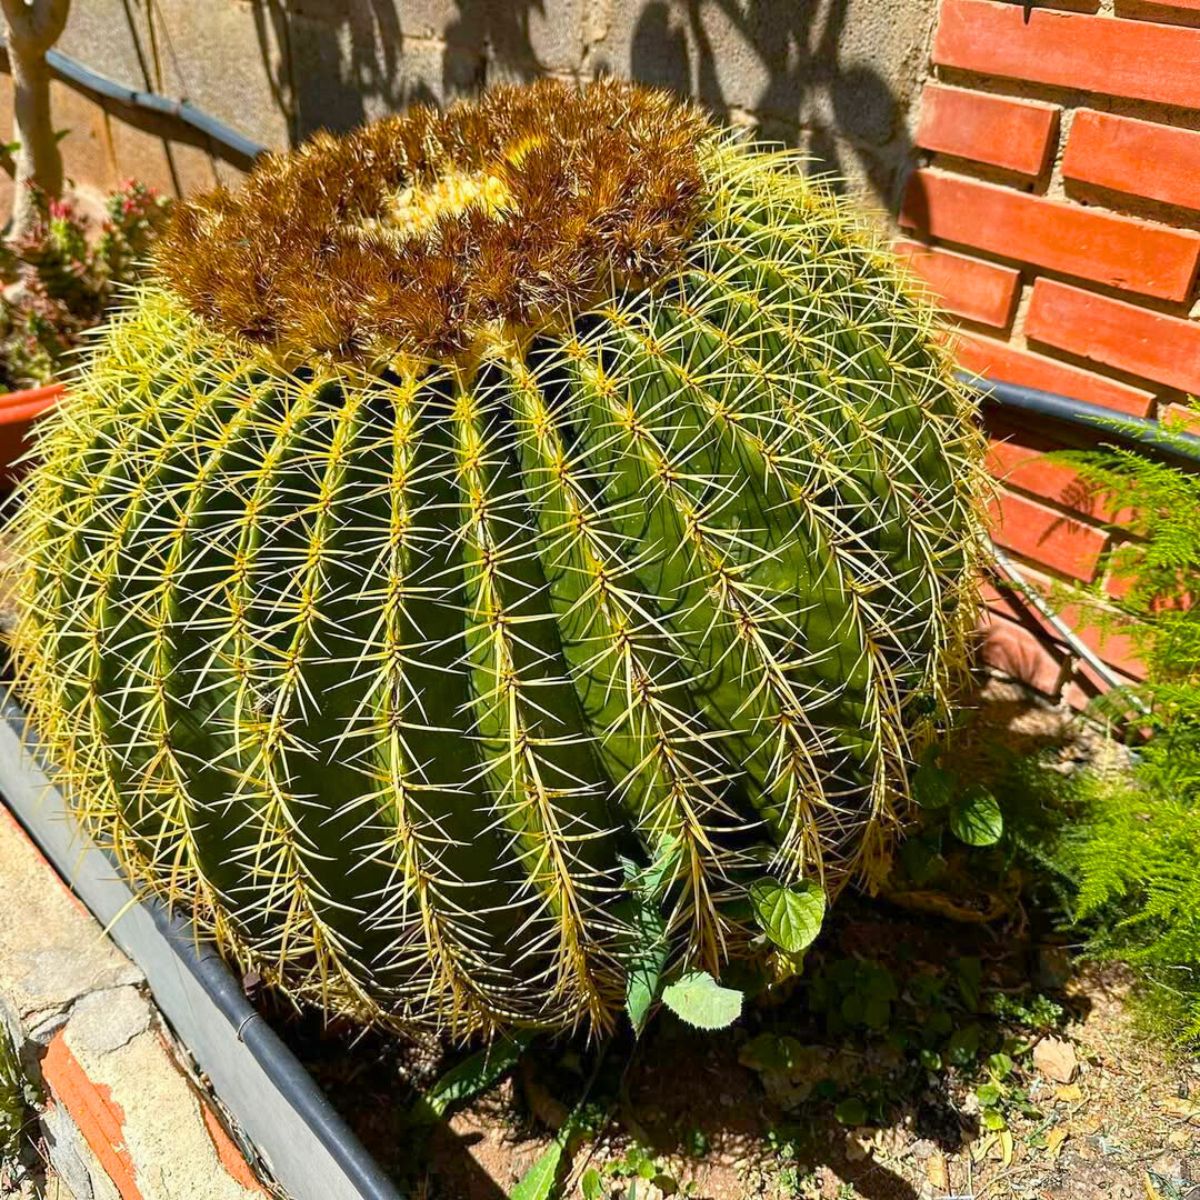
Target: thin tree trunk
x=32, y=28
x=38, y=159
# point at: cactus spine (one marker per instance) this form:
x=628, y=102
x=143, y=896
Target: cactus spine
x=470, y=508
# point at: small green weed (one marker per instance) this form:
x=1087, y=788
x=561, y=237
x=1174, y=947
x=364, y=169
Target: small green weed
x=785, y=1172
x=17, y=1096
x=884, y=1029
x=631, y=1176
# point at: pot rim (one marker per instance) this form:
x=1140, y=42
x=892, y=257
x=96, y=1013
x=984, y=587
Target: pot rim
x=28, y=403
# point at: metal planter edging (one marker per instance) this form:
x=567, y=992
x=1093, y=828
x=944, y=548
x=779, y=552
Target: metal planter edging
x=309, y=1149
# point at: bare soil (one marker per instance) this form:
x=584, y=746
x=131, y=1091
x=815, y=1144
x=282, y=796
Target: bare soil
x=1126, y=1127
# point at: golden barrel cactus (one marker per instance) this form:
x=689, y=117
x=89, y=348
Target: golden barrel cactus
x=485, y=510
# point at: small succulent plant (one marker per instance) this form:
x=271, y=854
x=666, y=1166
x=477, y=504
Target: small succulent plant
x=490, y=518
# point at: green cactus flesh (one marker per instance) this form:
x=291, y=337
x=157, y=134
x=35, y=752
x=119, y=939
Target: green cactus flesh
x=385, y=657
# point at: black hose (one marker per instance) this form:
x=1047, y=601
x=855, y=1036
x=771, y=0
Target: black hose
x=1144, y=434
x=1140, y=433
x=278, y=1062
x=49, y=827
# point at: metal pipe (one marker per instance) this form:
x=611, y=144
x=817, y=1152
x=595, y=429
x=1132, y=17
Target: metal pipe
x=1139, y=432
x=234, y=144
x=305, y=1141
x=216, y=132
x=1079, y=648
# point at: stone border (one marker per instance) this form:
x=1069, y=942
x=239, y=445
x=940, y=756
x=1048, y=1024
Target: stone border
x=300, y=1138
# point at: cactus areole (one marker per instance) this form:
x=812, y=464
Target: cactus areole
x=501, y=548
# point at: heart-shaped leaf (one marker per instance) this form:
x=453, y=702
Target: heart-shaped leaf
x=790, y=916
x=932, y=786
x=699, y=1000
x=976, y=818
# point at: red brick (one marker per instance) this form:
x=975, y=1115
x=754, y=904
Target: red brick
x=96, y=1114
x=1113, y=647
x=1086, y=686
x=1003, y=599
x=1117, y=586
x=1167, y=5
x=1180, y=414
x=1023, y=464
x=1010, y=648
x=1027, y=468
x=1079, y=696
x=1014, y=134
x=1138, y=157
x=1138, y=59
x=997, y=360
x=230, y=1156
x=1150, y=344
x=1046, y=535
x=1124, y=252
x=965, y=286
x=993, y=597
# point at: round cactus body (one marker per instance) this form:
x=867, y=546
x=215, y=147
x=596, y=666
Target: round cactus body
x=491, y=524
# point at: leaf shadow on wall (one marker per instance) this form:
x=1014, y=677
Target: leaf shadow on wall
x=780, y=65
x=807, y=95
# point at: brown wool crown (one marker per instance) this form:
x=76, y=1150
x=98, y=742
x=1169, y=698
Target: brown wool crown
x=426, y=234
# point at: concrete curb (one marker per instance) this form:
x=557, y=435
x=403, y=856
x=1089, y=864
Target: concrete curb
x=122, y=1119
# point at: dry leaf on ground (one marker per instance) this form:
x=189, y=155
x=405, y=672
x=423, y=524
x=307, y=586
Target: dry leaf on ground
x=1055, y=1059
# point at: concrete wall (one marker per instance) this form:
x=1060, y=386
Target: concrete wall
x=838, y=77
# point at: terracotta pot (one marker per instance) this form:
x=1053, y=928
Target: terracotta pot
x=18, y=411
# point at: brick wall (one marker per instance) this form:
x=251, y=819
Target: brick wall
x=1055, y=210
